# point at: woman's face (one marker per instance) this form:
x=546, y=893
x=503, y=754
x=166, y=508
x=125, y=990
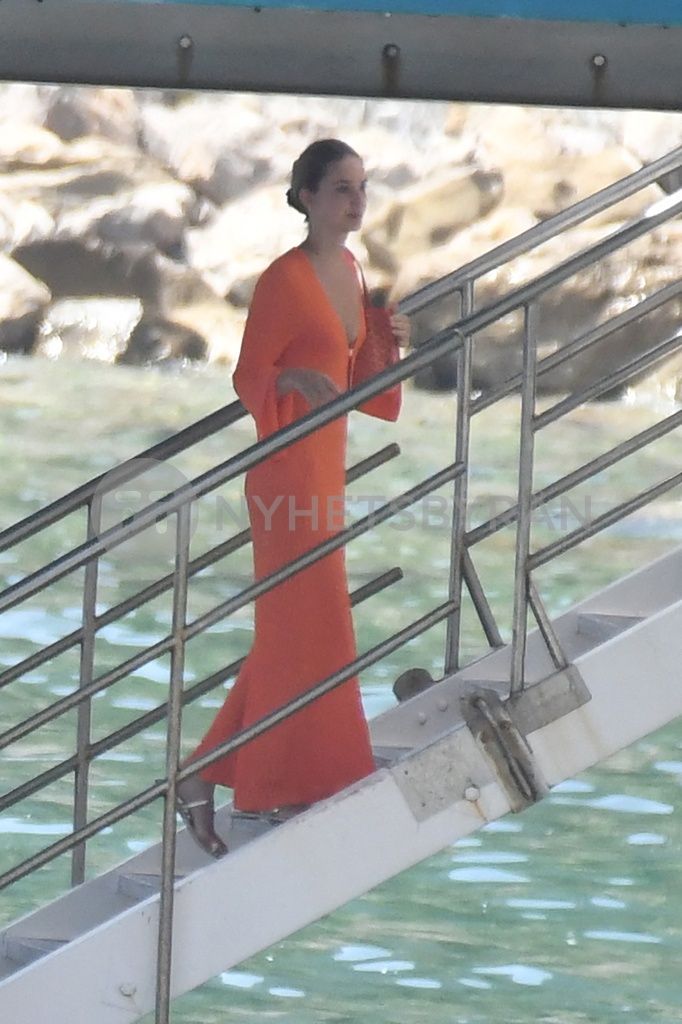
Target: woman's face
x=339, y=203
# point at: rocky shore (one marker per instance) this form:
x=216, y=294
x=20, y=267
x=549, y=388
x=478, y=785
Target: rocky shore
x=134, y=224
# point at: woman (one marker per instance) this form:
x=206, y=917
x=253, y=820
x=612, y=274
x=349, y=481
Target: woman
x=305, y=325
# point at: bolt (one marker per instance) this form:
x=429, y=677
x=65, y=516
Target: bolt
x=472, y=793
x=391, y=51
x=128, y=989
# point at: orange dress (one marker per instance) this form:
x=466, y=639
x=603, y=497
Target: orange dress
x=303, y=627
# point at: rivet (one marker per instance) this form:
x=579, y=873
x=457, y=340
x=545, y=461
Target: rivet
x=442, y=705
x=185, y=42
x=391, y=51
x=472, y=793
x=128, y=989
x=599, y=61
x=421, y=718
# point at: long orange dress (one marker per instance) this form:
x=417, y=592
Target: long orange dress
x=303, y=627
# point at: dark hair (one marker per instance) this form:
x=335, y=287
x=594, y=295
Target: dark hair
x=312, y=165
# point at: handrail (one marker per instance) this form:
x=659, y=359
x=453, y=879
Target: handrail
x=578, y=476
x=458, y=337
x=546, y=229
x=228, y=470
x=443, y=342
x=232, y=604
x=583, y=342
x=125, y=471
x=147, y=796
x=165, y=583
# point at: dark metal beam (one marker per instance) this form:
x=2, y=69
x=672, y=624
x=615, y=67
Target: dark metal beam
x=361, y=53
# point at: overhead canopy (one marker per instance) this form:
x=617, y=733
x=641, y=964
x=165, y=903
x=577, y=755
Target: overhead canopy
x=603, y=53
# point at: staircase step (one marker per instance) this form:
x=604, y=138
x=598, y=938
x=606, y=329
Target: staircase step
x=139, y=886
x=602, y=626
x=24, y=950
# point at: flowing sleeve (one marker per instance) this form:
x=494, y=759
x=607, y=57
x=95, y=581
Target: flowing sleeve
x=267, y=334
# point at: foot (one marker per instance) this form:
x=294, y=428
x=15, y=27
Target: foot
x=195, y=807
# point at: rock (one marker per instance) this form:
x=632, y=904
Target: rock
x=429, y=214
x=649, y=135
x=565, y=312
x=28, y=147
x=665, y=381
x=563, y=157
x=218, y=323
x=73, y=267
x=23, y=221
x=154, y=214
x=88, y=328
x=156, y=339
x=23, y=301
x=74, y=111
x=215, y=144
x=24, y=103
x=243, y=238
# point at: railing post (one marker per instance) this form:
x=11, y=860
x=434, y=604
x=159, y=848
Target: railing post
x=460, y=489
x=525, y=494
x=165, y=938
x=87, y=663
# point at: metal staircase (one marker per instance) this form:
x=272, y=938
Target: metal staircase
x=490, y=737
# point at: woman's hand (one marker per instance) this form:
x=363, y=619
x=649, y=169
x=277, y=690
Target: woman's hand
x=316, y=387
x=401, y=327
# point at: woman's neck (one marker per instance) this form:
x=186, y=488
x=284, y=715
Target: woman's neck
x=325, y=247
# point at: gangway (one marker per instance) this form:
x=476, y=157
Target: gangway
x=489, y=737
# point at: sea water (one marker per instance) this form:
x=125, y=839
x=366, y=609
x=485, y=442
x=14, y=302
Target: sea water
x=567, y=913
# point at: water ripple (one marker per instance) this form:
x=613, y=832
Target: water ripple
x=612, y=936
x=647, y=839
x=241, y=979
x=485, y=875
x=384, y=966
x=353, y=953
x=542, y=904
x=520, y=974
x=419, y=982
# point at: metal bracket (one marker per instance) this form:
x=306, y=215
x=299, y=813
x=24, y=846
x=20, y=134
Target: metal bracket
x=500, y=740
x=500, y=727
x=552, y=698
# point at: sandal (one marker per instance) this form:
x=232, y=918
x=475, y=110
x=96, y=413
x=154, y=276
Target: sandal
x=276, y=816
x=197, y=815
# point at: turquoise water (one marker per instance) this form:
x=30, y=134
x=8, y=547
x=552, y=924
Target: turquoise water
x=567, y=913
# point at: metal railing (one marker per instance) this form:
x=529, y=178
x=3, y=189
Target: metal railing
x=458, y=338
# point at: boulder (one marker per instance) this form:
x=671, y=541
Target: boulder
x=242, y=239
x=550, y=159
x=73, y=267
x=74, y=111
x=648, y=135
x=88, y=328
x=23, y=301
x=563, y=313
x=25, y=146
x=157, y=339
x=155, y=214
x=23, y=221
x=215, y=144
x=428, y=214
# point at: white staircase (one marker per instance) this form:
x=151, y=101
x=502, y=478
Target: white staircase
x=451, y=762
x=485, y=740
